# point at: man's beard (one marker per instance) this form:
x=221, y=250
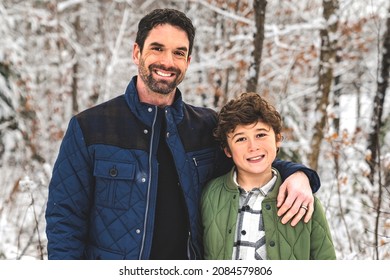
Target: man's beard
x=159, y=86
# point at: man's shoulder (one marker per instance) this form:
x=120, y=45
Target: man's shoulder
x=113, y=105
x=205, y=111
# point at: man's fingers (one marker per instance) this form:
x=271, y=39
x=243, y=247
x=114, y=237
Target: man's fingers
x=298, y=217
x=289, y=210
x=309, y=212
x=287, y=204
x=281, y=195
x=298, y=211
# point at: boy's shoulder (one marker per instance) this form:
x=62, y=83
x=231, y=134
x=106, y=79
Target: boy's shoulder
x=221, y=184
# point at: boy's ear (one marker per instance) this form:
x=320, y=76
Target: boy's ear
x=279, y=139
x=227, y=152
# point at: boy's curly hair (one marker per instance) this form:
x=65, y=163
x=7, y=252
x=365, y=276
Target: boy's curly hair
x=248, y=108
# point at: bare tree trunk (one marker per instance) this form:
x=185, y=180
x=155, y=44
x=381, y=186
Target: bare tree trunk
x=327, y=61
x=259, y=7
x=336, y=99
x=77, y=28
x=377, y=125
x=379, y=99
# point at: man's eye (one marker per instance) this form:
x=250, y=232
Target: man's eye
x=180, y=53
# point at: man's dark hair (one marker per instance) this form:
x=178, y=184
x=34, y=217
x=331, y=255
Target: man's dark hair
x=165, y=16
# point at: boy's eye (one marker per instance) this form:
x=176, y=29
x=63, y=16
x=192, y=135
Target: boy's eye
x=240, y=139
x=260, y=135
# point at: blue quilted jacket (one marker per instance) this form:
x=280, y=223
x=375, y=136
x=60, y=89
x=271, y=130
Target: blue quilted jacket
x=104, y=183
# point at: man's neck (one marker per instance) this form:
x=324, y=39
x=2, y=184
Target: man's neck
x=154, y=98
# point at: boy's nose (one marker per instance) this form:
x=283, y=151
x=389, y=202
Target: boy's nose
x=253, y=145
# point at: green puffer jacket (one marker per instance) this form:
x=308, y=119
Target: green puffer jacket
x=283, y=242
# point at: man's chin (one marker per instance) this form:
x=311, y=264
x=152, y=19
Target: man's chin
x=164, y=88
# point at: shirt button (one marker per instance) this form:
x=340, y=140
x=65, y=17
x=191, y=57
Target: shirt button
x=272, y=243
x=145, y=131
x=243, y=232
x=138, y=231
x=268, y=207
x=143, y=180
x=167, y=134
x=150, y=110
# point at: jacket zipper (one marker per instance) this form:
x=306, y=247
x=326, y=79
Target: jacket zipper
x=149, y=183
x=190, y=247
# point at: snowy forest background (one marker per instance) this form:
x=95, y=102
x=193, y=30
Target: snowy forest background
x=323, y=63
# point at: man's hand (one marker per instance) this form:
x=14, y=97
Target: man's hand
x=295, y=195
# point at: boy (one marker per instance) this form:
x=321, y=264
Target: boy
x=239, y=212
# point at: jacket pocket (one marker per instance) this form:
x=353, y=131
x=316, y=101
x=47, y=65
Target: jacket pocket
x=113, y=183
x=204, y=163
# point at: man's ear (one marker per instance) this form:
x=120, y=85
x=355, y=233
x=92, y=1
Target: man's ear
x=136, y=53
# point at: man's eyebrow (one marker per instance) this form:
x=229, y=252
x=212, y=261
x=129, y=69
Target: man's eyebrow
x=156, y=44
x=185, y=49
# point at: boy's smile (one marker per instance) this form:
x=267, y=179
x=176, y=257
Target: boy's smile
x=253, y=148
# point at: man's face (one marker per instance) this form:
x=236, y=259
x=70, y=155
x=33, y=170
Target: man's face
x=164, y=60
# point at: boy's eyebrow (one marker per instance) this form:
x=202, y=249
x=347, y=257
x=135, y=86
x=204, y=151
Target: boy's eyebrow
x=257, y=129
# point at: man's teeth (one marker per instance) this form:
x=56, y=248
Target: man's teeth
x=163, y=74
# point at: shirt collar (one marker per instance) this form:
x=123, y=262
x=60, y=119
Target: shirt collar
x=265, y=189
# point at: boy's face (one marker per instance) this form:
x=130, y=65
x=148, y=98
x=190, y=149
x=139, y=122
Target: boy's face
x=253, y=148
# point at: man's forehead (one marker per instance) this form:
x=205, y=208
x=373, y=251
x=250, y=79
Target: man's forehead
x=164, y=32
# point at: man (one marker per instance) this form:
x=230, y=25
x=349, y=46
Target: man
x=129, y=175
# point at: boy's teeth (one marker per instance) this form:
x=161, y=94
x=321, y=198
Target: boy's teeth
x=255, y=158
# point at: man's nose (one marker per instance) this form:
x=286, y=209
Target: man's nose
x=167, y=58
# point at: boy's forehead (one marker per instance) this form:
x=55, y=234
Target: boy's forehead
x=259, y=125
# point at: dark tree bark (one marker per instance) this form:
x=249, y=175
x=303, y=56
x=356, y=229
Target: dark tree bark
x=379, y=100
x=259, y=7
x=327, y=61
x=377, y=126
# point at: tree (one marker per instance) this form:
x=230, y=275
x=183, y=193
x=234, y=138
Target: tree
x=259, y=7
x=374, y=139
x=325, y=81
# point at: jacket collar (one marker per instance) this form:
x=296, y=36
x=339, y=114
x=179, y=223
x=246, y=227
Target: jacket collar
x=146, y=112
x=231, y=186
